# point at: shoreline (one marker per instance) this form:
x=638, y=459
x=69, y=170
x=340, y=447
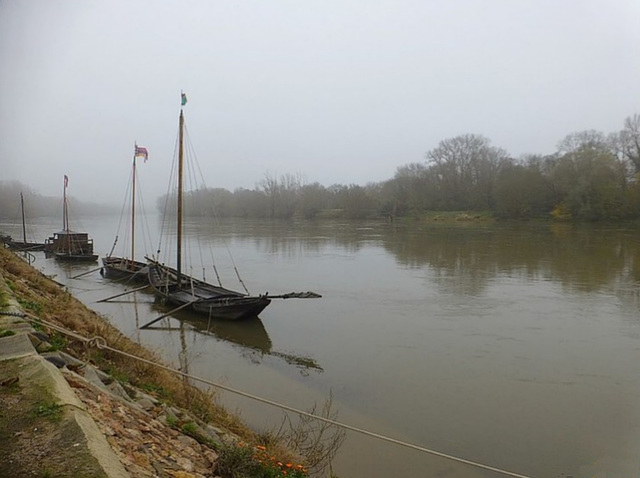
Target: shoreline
x=160, y=409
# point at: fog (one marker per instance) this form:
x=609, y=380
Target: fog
x=336, y=91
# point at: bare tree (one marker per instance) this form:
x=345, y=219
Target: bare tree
x=269, y=185
x=587, y=139
x=466, y=167
x=629, y=140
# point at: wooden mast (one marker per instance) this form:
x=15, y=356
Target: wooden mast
x=133, y=211
x=65, y=212
x=180, y=169
x=24, y=228
x=66, y=238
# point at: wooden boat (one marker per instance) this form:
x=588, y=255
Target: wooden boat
x=214, y=301
x=23, y=245
x=184, y=291
x=68, y=245
x=127, y=268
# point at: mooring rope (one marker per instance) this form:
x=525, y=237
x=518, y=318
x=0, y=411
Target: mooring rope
x=101, y=343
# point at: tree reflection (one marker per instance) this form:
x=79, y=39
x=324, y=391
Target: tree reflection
x=464, y=257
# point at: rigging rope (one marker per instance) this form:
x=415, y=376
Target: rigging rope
x=127, y=193
x=146, y=230
x=192, y=153
x=167, y=197
x=101, y=343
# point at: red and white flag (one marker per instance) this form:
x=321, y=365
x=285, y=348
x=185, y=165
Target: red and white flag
x=141, y=152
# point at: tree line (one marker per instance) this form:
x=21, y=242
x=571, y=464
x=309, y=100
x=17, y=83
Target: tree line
x=591, y=176
x=37, y=205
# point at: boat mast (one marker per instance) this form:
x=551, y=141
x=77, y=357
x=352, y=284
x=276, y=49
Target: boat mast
x=133, y=209
x=24, y=228
x=65, y=212
x=180, y=168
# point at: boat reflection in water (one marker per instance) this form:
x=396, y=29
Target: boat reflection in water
x=250, y=334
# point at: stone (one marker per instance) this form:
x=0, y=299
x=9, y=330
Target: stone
x=212, y=433
x=90, y=374
x=39, y=336
x=43, y=347
x=187, y=441
x=71, y=362
x=15, y=346
x=104, y=377
x=146, y=404
x=116, y=389
x=55, y=360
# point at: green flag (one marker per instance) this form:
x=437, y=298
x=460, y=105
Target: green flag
x=184, y=99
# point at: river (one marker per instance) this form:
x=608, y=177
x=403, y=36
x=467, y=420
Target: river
x=513, y=345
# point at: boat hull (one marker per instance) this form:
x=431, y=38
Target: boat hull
x=24, y=246
x=119, y=268
x=64, y=257
x=232, y=309
x=206, y=299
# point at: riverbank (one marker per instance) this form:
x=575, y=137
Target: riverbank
x=154, y=422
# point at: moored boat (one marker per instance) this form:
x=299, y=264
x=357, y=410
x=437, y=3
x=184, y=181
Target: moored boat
x=177, y=288
x=127, y=268
x=67, y=245
x=23, y=245
x=214, y=301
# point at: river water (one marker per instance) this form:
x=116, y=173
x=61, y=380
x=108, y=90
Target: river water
x=516, y=346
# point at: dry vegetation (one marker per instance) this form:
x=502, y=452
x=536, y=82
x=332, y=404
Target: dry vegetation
x=308, y=441
x=45, y=299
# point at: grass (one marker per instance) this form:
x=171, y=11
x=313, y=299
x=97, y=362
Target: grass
x=4, y=299
x=33, y=307
x=458, y=216
x=50, y=302
x=244, y=461
x=57, y=341
x=154, y=389
x=117, y=374
x=11, y=285
x=51, y=411
x=7, y=333
x=38, y=293
x=172, y=421
x=189, y=428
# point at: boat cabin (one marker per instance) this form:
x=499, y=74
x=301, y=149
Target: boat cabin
x=69, y=242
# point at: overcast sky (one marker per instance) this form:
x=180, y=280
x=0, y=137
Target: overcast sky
x=339, y=91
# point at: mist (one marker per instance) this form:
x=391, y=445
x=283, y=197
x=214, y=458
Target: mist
x=335, y=91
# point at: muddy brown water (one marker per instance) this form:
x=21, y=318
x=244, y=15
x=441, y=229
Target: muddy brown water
x=513, y=345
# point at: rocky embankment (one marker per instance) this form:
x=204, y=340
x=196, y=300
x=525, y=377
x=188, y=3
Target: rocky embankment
x=62, y=415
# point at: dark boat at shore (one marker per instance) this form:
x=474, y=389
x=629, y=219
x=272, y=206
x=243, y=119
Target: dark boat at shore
x=124, y=268
x=23, y=245
x=180, y=289
x=68, y=245
x=184, y=291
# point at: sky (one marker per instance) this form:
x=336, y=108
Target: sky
x=333, y=91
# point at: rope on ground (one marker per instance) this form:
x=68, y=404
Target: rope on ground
x=101, y=343
x=12, y=314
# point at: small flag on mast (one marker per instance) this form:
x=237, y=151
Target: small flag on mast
x=140, y=151
x=66, y=180
x=183, y=99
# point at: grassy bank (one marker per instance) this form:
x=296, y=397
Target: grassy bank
x=46, y=299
